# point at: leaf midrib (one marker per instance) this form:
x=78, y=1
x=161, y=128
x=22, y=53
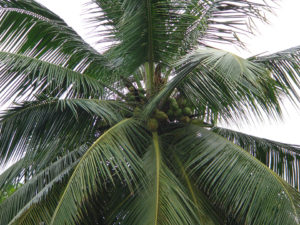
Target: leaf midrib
x=93, y=80
x=157, y=175
x=78, y=165
x=274, y=175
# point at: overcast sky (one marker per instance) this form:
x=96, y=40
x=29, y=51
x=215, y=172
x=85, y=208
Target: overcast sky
x=283, y=32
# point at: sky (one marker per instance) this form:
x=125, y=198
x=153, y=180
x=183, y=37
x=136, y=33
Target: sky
x=281, y=33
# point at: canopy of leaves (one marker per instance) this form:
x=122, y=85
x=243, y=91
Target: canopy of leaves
x=130, y=135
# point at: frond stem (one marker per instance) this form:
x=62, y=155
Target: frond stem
x=79, y=164
x=149, y=67
x=157, y=161
x=187, y=179
x=274, y=175
x=39, y=61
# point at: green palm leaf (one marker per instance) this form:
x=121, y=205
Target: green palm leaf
x=159, y=31
x=223, y=82
x=284, y=66
x=40, y=51
x=227, y=83
x=164, y=197
x=106, y=160
x=40, y=212
x=236, y=182
x=55, y=124
x=12, y=175
x=206, y=211
x=31, y=75
x=35, y=31
x=129, y=136
x=38, y=187
x=280, y=157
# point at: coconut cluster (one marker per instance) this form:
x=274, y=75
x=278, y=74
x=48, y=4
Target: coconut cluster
x=179, y=110
x=136, y=95
x=175, y=110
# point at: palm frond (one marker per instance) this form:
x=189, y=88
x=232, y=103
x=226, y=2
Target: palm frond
x=34, y=76
x=12, y=175
x=236, y=182
x=280, y=157
x=112, y=156
x=223, y=82
x=40, y=211
x=285, y=68
x=39, y=50
x=227, y=83
x=29, y=28
x=226, y=20
x=161, y=199
x=57, y=124
x=106, y=206
x=160, y=31
x=37, y=187
x=206, y=212
x=83, y=144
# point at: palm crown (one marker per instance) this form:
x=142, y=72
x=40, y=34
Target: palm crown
x=130, y=136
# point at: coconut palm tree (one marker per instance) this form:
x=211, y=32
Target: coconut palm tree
x=131, y=135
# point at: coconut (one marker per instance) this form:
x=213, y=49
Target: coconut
x=182, y=101
x=187, y=111
x=141, y=90
x=136, y=111
x=170, y=112
x=152, y=124
x=142, y=97
x=178, y=112
x=196, y=122
x=131, y=89
x=160, y=115
x=174, y=105
x=131, y=98
x=185, y=119
x=172, y=100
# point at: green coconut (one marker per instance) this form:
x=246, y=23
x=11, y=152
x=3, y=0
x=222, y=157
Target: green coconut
x=131, y=98
x=196, y=121
x=152, y=124
x=172, y=100
x=141, y=90
x=182, y=101
x=174, y=105
x=170, y=112
x=137, y=111
x=160, y=115
x=131, y=89
x=178, y=112
x=185, y=119
x=187, y=111
x=143, y=97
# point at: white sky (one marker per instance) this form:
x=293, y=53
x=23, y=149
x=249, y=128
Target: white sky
x=283, y=32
